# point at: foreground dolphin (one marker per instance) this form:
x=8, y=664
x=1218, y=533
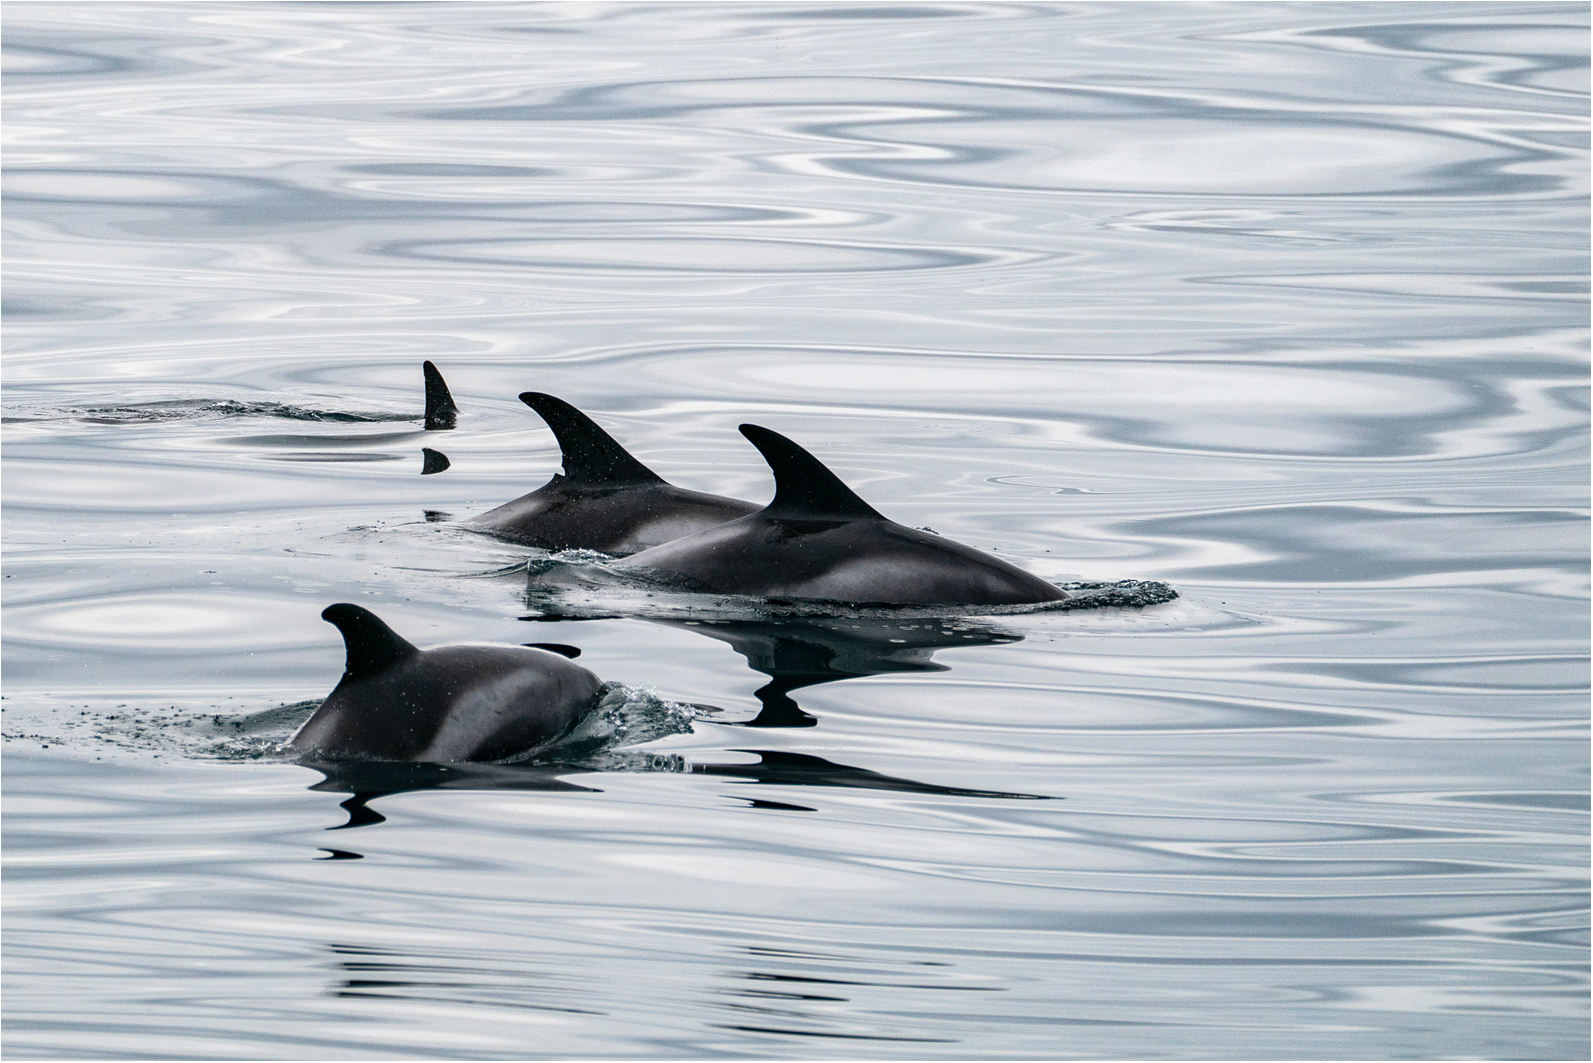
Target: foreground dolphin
x=818, y=540
x=462, y=702
x=605, y=499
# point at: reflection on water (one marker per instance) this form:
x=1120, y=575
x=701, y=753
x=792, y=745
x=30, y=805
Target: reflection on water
x=801, y=653
x=367, y=781
x=1280, y=305
x=798, y=769
x=433, y=461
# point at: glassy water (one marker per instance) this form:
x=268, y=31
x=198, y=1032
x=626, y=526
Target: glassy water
x=1281, y=304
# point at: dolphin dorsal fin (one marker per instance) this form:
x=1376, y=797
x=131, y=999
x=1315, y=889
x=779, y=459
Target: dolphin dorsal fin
x=441, y=413
x=803, y=487
x=372, y=645
x=590, y=454
x=559, y=648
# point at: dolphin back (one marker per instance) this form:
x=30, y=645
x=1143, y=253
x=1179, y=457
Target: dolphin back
x=470, y=702
x=819, y=541
x=853, y=562
x=605, y=499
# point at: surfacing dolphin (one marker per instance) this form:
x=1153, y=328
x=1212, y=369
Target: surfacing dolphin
x=441, y=414
x=819, y=540
x=460, y=702
x=605, y=499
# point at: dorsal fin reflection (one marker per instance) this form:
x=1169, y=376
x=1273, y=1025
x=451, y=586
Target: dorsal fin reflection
x=799, y=653
x=784, y=768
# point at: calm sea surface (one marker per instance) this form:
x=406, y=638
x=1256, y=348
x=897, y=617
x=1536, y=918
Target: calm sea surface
x=1281, y=304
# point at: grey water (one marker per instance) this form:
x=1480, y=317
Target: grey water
x=1282, y=305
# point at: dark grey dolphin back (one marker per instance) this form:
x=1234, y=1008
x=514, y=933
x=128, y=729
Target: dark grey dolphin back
x=803, y=488
x=818, y=541
x=461, y=702
x=441, y=413
x=590, y=455
x=372, y=645
x=604, y=499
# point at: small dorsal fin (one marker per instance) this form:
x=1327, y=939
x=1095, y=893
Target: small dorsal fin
x=590, y=454
x=560, y=648
x=441, y=413
x=803, y=487
x=372, y=645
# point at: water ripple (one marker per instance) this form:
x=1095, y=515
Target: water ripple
x=1278, y=305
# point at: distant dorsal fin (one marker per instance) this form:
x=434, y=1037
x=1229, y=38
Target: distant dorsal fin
x=803, y=487
x=372, y=645
x=590, y=454
x=441, y=413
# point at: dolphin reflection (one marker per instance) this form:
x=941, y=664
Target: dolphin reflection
x=799, y=769
x=804, y=652
x=366, y=781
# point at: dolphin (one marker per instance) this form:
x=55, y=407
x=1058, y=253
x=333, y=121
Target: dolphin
x=441, y=415
x=605, y=499
x=819, y=540
x=461, y=702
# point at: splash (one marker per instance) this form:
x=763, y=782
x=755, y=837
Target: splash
x=200, y=410
x=195, y=731
x=624, y=716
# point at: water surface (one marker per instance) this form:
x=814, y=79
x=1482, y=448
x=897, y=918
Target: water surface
x=1280, y=304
